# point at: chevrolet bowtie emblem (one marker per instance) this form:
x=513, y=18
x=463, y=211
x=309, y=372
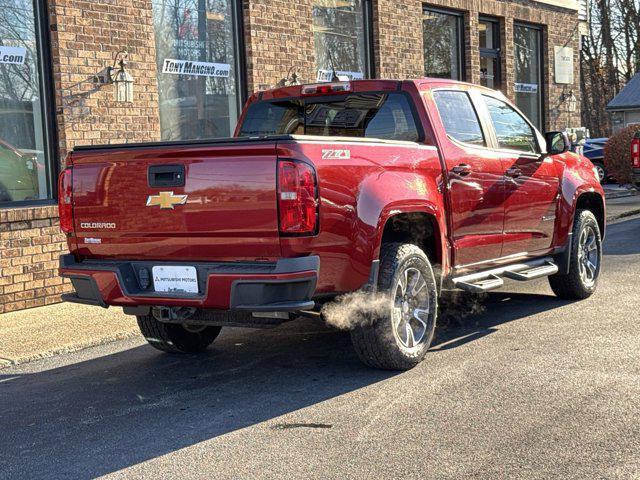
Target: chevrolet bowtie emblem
x=166, y=200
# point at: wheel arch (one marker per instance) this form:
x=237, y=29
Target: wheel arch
x=421, y=227
x=593, y=202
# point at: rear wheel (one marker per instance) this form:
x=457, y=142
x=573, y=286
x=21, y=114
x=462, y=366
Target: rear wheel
x=586, y=257
x=401, y=332
x=176, y=338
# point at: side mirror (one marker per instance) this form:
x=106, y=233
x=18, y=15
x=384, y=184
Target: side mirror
x=557, y=142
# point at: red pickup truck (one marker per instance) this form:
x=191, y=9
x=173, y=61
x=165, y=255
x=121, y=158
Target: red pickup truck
x=395, y=188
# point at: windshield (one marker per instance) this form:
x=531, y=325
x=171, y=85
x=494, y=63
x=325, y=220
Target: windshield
x=370, y=115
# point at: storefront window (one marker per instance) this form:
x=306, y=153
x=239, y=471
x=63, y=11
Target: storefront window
x=528, y=86
x=443, y=44
x=340, y=36
x=24, y=158
x=197, y=64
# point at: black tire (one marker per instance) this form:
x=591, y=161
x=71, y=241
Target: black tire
x=378, y=343
x=175, y=338
x=573, y=285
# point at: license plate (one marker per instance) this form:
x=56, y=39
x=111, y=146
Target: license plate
x=172, y=279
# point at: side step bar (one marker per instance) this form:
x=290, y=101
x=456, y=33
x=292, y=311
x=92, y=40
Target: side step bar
x=533, y=273
x=492, y=279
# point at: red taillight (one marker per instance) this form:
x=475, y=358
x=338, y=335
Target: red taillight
x=635, y=151
x=65, y=198
x=297, y=197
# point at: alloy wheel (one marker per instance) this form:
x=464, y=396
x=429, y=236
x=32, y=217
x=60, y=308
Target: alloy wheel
x=588, y=256
x=411, y=316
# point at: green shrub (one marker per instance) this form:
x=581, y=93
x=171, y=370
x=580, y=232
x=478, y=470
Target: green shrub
x=617, y=154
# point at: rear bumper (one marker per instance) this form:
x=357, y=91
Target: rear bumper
x=287, y=285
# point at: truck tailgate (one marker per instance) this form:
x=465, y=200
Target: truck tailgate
x=133, y=202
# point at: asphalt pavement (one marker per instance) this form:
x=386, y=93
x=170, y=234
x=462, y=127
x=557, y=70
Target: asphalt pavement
x=532, y=387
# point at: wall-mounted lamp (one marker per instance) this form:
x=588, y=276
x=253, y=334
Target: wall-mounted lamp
x=289, y=80
x=121, y=78
x=570, y=100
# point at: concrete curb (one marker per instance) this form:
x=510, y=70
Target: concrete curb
x=10, y=362
x=619, y=216
x=620, y=195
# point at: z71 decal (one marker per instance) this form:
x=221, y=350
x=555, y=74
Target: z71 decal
x=336, y=154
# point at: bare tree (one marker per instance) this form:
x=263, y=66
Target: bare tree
x=610, y=58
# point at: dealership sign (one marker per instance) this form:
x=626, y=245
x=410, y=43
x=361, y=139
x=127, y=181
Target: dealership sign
x=563, y=57
x=13, y=55
x=200, y=69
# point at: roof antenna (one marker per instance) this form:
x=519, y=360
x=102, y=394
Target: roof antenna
x=334, y=74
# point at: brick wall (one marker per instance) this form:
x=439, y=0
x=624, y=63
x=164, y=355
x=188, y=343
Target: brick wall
x=85, y=37
x=278, y=36
x=30, y=243
x=397, y=28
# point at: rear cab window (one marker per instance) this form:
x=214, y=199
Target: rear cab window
x=386, y=116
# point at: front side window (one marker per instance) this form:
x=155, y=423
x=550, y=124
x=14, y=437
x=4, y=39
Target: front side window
x=339, y=34
x=367, y=115
x=197, y=57
x=512, y=130
x=443, y=45
x=24, y=158
x=459, y=117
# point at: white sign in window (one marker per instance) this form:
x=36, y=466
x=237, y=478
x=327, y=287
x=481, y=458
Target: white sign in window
x=327, y=75
x=564, y=65
x=526, y=88
x=13, y=55
x=199, y=69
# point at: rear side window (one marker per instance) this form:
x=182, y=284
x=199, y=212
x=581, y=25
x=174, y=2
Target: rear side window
x=513, y=132
x=273, y=118
x=459, y=117
x=368, y=115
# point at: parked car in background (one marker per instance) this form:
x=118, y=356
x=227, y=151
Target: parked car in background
x=18, y=174
x=594, y=151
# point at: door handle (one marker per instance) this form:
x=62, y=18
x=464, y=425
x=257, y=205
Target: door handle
x=513, y=172
x=463, y=170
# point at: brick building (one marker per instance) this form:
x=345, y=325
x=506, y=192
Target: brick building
x=194, y=61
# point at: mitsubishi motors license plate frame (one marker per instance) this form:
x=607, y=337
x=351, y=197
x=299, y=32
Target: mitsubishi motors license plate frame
x=175, y=279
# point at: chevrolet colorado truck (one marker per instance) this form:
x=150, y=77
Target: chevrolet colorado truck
x=399, y=189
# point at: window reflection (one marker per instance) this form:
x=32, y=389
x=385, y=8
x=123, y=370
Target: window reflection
x=23, y=164
x=196, y=68
x=442, y=34
x=339, y=37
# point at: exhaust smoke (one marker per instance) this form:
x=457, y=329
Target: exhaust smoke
x=360, y=309
x=356, y=309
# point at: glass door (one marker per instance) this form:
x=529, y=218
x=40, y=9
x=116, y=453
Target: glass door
x=489, y=39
